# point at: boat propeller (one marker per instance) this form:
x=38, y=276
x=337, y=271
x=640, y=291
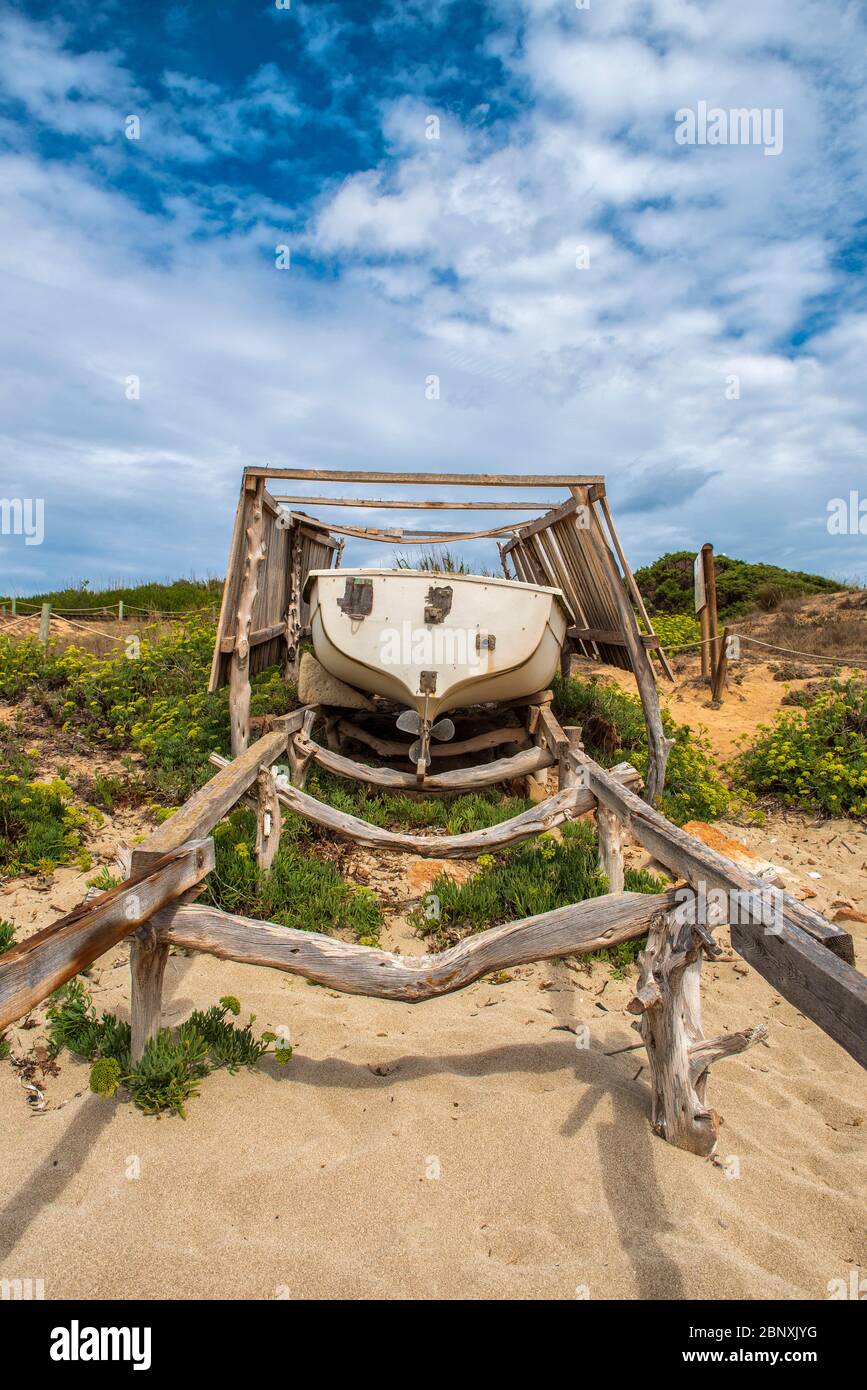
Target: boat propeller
x=411, y=722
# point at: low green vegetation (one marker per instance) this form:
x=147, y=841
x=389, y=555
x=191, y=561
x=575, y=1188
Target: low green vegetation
x=676, y=630
x=392, y=811
x=176, y=596
x=173, y=1064
x=536, y=877
x=299, y=891
x=39, y=826
x=815, y=757
x=154, y=701
x=613, y=731
x=667, y=585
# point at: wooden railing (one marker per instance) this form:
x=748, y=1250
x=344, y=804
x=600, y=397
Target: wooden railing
x=806, y=958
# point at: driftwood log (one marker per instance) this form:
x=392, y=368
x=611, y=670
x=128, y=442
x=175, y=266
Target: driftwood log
x=544, y=816
x=582, y=927
x=462, y=780
x=668, y=1001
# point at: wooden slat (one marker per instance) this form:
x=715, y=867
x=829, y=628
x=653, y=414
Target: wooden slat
x=355, y=475
x=265, y=634
x=611, y=638
x=580, y=928
x=414, y=504
x=32, y=970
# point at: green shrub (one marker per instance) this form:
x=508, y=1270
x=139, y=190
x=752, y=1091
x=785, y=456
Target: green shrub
x=676, y=630
x=817, y=757
x=667, y=584
x=172, y=1064
x=7, y=935
x=39, y=827
x=391, y=810
x=614, y=731
x=156, y=704
x=299, y=891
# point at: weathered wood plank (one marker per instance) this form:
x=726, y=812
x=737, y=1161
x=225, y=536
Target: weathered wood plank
x=414, y=504
x=579, y=928
x=239, y=666
x=255, y=639
x=32, y=970
x=609, y=637
x=393, y=748
x=355, y=475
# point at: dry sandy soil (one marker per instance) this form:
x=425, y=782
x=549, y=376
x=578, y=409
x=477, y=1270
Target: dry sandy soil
x=459, y=1148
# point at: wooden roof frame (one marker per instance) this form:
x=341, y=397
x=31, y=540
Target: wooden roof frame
x=573, y=546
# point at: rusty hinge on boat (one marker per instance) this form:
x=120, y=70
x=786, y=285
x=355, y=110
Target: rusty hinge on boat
x=485, y=641
x=357, y=599
x=427, y=683
x=438, y=604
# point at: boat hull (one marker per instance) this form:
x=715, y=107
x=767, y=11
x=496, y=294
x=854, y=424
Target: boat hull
x=435, y=642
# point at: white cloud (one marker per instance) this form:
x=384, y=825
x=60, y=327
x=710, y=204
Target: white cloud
x=455, y=258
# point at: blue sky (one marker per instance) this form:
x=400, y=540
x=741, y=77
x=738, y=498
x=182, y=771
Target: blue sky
x=584, y=287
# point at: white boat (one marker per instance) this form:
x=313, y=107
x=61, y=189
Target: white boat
x=434, y=642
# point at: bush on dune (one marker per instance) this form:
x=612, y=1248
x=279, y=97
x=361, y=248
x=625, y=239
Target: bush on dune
x=815, y=757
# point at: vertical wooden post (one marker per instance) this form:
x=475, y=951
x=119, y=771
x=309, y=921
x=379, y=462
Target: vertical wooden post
x=147, y=965
x=239, y=668
x=719, y=675
x=293, y=615
x=268, y=820
x=120, y=610
x=14, y=607
x=709, y=567
x=669, y=1005
x=45, y=622
x=609, y=830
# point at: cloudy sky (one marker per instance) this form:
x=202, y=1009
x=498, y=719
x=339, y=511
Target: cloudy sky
x=592, y=294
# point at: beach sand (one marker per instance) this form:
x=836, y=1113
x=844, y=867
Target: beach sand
x=461, y=1148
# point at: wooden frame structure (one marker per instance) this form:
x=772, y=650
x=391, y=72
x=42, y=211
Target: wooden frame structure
x=573, y=547
x=803, y=956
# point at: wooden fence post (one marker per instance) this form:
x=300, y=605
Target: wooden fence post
x=669, y=1004
x=268, y=820
x=148, y=955
x=609, y=830
x=45, y=623
x=721, y=669
x=239, y=667
x=712, y=635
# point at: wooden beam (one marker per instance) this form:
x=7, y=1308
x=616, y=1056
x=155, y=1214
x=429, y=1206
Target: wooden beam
x=255, y=639
x=804, y=957
x=462, y=780
x=544, y=816
x=609, y=636
x=579, y=928
x=414, y=504
x=609, y=829
x=355, y=475
x=32, y=970
x=199, y=815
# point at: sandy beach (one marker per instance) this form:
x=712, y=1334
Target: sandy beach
x=461, y=1148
